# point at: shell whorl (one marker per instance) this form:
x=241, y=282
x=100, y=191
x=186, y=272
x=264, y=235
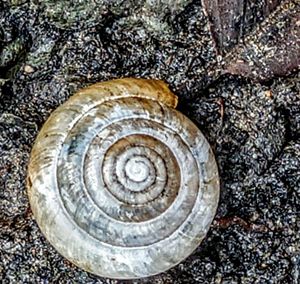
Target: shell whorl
x=121, y=183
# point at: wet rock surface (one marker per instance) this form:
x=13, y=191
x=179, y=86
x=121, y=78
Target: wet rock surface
x=253, y=128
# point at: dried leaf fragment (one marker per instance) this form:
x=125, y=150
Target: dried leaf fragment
x=271, y=50
x=232, y=19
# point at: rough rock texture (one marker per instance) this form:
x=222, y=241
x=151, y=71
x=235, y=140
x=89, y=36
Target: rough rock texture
x=254, y=130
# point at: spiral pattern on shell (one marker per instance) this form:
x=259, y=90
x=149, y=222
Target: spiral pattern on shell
x=121, y=183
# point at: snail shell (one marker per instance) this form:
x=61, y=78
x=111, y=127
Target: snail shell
x=120, y=183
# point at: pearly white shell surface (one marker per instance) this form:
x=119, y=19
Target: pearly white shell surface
x=120, y=183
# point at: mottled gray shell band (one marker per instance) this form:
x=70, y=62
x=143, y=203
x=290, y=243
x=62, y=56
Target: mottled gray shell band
x=121, y=183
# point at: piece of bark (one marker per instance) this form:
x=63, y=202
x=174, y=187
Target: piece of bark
x=272, y=49
x=232, y=19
